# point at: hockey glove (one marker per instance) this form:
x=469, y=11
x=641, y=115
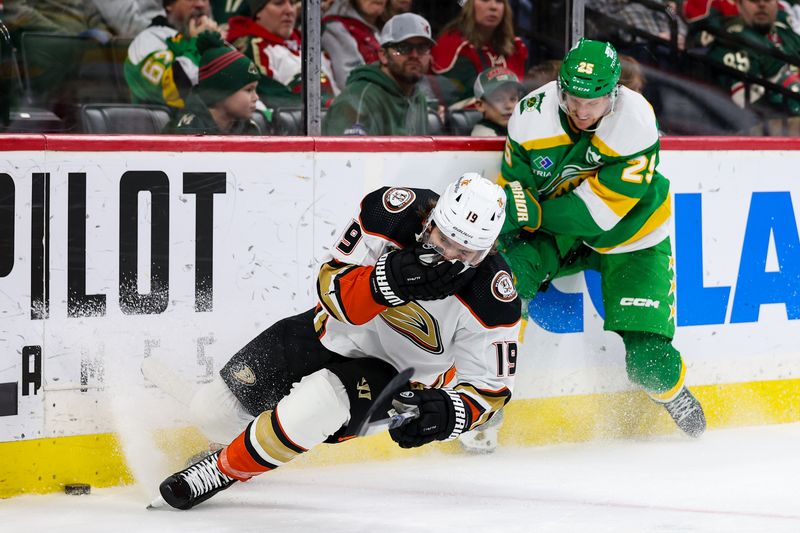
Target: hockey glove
x=442, y=416
x=412, y=274
x=533, y=263
x=523, y=211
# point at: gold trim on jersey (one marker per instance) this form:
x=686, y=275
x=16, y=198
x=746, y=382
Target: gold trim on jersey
x=659, y=217
x=320, y=321
x=169, y=91
x=444, y=378
x=326, y=290
x=488, y=401
x=605, y=149
x=547, y=142
x=617, y=202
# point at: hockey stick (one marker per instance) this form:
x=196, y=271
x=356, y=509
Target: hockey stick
x=395, y=419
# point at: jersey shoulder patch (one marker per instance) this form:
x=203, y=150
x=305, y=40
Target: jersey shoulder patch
x=535, y=122
x=630, y=129
x=396, y=213
x=491, y=296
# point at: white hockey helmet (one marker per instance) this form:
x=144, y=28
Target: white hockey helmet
x=470, y=212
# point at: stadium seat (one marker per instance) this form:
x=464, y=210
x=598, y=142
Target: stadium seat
x=461, y=121
x=63, y=71
x=123, y=118
x=288, y=121
x=435, y=126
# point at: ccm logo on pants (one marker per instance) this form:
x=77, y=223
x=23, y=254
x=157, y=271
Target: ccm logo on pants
x=640, y=302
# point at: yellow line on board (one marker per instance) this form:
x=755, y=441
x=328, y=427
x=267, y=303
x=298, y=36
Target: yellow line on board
x=45, y=465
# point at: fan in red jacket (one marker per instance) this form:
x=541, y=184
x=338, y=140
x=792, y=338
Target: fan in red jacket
x=481, y=37
x=270, y=39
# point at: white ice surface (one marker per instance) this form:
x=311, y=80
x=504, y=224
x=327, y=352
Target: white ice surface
x=735, y=480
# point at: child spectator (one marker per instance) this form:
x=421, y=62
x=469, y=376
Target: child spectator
x=482, y=36
x=497, y=91
x=271, y=40
x=632, y=75
x=225, y=97
x=350, y=35
x=541, y=73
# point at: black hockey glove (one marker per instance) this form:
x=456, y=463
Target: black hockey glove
x=442, y=416
x=413, y=273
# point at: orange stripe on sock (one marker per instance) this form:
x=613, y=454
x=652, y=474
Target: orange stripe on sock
x=235, y=460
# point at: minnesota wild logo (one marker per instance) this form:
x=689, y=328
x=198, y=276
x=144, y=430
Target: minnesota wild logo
x=532, y=103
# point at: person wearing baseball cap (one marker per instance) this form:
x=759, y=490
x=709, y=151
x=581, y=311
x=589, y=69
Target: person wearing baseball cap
x=383, y=98
x=225, y=97
x=497, y=91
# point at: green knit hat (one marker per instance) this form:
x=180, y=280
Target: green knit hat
x=223, y=70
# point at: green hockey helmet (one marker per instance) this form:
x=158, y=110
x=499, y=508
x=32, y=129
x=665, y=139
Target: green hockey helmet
x=591, y=69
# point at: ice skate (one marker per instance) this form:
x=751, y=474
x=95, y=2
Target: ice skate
x=687, y=413
x=195, y=484
x=483, y=439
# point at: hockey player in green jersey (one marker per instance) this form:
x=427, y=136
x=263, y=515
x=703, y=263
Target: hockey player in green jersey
x=580, y=173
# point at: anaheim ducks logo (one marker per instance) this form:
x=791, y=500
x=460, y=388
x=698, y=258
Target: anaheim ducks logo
x=413, y=322
x=244, y=374
x=503, y=287
x=397, y=198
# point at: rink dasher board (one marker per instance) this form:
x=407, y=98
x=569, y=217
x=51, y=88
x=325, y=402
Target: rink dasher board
x=119, y=286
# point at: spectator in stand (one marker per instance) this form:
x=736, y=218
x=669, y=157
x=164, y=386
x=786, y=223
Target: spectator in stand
x=497, y=91
x=644, y=18
x=709, y=14
x=538, y=75
x=128, y=18
x=482, y=36
x=384, y=98
x=350, y=35
x=396, y=7
x=632, y=75
x=438, y=14
x=162, y=62
x=271, y=40
x=696, y=10
x=225, y=9
x=70, y=17
x=225, y=97
x=758, y=23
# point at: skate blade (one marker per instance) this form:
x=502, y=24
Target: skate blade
x=158, y=503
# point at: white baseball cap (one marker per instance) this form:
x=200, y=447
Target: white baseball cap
x=405, y=26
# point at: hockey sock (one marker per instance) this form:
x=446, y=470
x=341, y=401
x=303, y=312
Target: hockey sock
x=316, y=408
x=263, y=446
x=654, y=364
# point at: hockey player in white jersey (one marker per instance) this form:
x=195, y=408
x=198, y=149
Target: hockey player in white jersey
x=411, y=282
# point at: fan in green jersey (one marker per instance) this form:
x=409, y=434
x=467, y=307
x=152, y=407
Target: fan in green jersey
x=583, y=189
